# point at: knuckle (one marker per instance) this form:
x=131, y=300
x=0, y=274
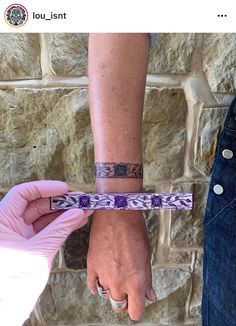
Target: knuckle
x=115, y=284
x=37, y=207
x=15, y=188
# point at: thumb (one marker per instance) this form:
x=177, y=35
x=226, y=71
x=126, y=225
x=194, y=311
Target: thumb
x=49, y=240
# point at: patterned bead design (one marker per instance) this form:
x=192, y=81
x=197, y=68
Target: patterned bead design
x=125, y=201
x=118, y=170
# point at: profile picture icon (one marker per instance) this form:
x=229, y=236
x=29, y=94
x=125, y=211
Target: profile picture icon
x=16, y=15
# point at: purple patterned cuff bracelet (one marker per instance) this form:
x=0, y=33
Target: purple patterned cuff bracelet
x=124, y=201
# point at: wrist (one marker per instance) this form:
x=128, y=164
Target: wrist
x=105, y=185
x=117, y=219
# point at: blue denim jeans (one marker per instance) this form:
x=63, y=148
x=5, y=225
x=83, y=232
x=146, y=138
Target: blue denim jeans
x=219, y=262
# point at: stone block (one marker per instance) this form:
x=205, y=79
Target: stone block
x=219, y=61
x=179, y=257
x=164, y=129
x=68, y=53
x=187, y=226
x=172, y=54
x=174, y=284
x=45, y=134
x=20, y=55
x=2, y=194
x=66, y=300
x=58, y=261
x=153, y=227
x=195, y=303
x=210, y=125
x=76, y=248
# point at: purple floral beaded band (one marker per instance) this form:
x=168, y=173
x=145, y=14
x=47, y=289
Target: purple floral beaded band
x=124, y=201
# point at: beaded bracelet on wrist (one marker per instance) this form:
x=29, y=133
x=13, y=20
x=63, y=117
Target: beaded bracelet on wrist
x=118, y=170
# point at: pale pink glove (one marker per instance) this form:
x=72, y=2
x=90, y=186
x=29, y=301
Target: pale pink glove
x=30, y=236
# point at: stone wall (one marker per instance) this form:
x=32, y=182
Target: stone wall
x=45, y=133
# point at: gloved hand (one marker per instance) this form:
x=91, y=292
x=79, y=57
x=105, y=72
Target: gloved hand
x=30, y=236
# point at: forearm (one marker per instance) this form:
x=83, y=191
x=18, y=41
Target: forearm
x=119, y=251
x=117, y=75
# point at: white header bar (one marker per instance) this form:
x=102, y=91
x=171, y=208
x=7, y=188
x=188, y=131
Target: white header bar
x=121, y=16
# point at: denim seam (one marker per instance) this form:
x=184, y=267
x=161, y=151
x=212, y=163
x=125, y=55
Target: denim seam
x=233, y=200
x=229, y=129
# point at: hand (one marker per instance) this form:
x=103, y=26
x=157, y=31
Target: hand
x=119, y=257
x=30, y=236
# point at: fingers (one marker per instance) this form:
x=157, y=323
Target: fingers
x=136, y=300
x=49, y=240
x=91, y=281
x=96, y=285
x=39, y=207
x=16, y=200
x=36, y=209
x=135, y=296
x=137, y=292
x=117, y=295
x=44, y=221
x=30, y=191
